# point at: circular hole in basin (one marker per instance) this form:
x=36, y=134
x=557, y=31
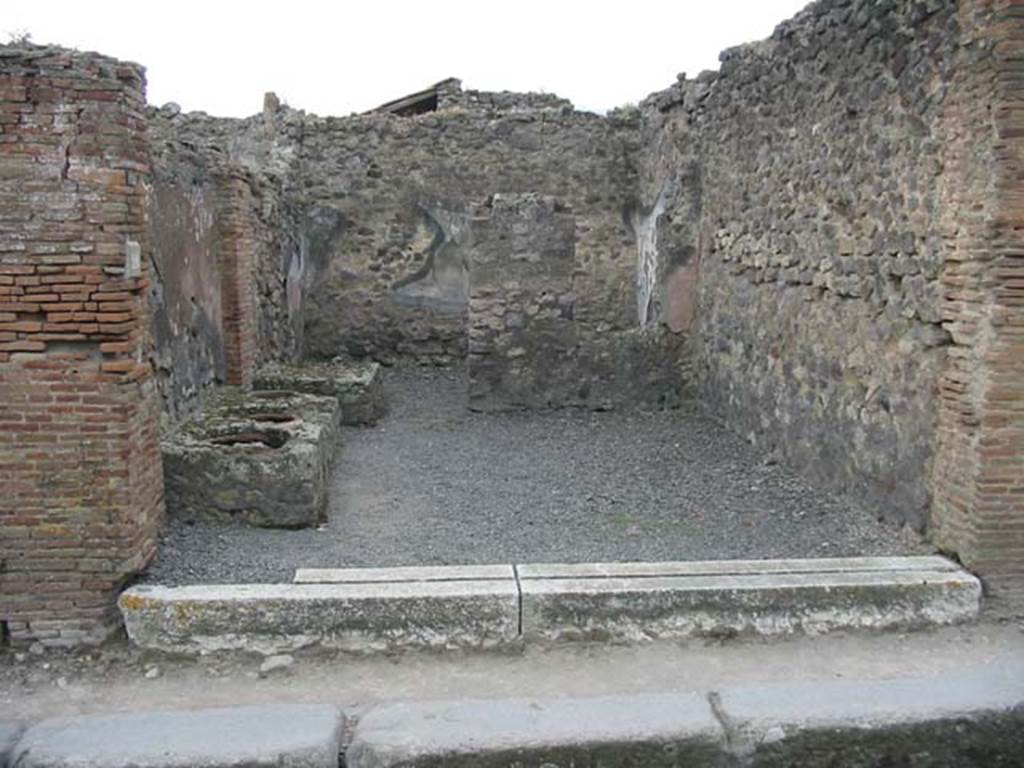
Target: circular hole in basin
x=270, y=394
x=267, y=438
x=277, y=417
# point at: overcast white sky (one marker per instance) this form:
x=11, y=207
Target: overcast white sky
x=340, y=57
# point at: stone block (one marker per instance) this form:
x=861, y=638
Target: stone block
x=522, y=338
x=646, y=601
x=356, y=617
x=649, y=730
x=972, y=718
x=274, y=736
x=9, y=734
x=358, y=386
x=261, y=457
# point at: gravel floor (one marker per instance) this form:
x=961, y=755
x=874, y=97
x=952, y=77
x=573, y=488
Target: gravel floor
x=436, y=484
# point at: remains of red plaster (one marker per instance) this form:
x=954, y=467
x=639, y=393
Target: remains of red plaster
x=682, y=294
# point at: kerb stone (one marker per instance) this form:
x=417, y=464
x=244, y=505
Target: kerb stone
x=272, y=736
x=649, y=730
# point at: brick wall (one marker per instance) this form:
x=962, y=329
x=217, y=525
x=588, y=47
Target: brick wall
x=82, y=488
x=979, y=466
x=238, y=299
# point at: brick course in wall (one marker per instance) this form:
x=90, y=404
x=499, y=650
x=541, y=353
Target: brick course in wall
x=82, y=487
x=238, y=301
x=979, y=466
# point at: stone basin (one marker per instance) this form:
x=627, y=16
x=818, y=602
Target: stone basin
x=358, y=386
x=262, y=457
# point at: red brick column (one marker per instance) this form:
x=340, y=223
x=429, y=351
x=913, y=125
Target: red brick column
x=82, y=490
x=978, y=473
x=238, y=280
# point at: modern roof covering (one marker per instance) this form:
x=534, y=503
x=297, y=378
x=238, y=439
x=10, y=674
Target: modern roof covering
x=419, y=102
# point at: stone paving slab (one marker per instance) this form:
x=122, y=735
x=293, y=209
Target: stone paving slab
x=648, y=730
x=971, y=719
x=411, y=573
x=9, y=733
x=642, y=607
x=275, y=736
x=357, y=617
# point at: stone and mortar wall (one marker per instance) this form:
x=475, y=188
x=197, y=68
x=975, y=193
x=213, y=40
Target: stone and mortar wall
x=803, y=201
x=521, y=331
x=842, y=202
x=526, y=348
x=82, y=487
x=389, y=200
x=376, y=211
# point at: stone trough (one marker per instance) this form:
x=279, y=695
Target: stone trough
x=262, y=457
x=358, y=386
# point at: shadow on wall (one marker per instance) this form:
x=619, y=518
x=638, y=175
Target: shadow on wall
x=322, y=227
x=442, y=284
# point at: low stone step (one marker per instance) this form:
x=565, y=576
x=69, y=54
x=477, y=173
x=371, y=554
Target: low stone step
x=275, y=736
x=486, y=606
x=821, y=565
x=644, y=601
x=358, y=617
x=405, y=574
x=974, y=719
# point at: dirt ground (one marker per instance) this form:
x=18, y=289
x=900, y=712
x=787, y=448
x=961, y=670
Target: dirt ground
x=435, y=484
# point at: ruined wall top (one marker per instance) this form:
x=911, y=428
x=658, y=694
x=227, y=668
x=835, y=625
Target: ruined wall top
x=814, y=34
x=84, y=70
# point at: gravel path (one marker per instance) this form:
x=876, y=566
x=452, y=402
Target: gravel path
x=436, y=484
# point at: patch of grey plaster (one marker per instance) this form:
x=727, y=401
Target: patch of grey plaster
x=442, y=284
x=645, y=228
